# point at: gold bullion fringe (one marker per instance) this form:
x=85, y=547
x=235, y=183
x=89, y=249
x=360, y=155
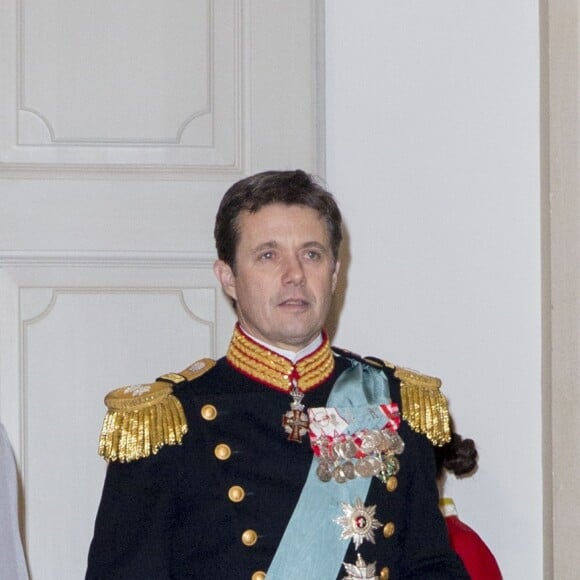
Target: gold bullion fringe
x=133, y=434
x=424, y=406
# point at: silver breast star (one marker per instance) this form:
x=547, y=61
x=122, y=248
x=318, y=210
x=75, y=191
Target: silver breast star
x=360, y=570
x=358, y=522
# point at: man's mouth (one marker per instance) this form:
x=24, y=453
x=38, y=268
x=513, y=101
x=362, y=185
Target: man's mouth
x=298, y=302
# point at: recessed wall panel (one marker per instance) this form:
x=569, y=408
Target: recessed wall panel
x=135, y=335
x=123, y=83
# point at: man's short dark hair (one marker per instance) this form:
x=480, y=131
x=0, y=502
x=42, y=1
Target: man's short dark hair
x=254, y=192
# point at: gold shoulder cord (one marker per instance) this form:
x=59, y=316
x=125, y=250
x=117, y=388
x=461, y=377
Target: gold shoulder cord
x=424, y=405
x=141, y=419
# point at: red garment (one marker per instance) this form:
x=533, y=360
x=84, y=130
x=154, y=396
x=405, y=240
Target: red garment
x=477, y=557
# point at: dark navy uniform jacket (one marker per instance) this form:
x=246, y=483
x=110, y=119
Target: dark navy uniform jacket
x=185, y=513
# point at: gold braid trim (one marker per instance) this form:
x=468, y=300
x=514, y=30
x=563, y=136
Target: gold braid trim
x=272, y=369
x=141, y=419
x=313, y=369
x=424, y=405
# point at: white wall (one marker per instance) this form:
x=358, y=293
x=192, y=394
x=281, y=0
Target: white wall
x=433, y=152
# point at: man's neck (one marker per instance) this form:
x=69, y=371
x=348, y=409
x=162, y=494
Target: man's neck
x=289, y=354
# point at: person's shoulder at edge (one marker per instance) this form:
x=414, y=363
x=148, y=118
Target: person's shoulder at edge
x=143, y=418
x=473, y=551
x=423, y=405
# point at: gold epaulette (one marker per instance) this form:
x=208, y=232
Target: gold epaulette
x=143, y=418
x=424, y=405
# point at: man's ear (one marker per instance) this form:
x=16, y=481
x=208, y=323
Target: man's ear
x=224, y=273
x=335, y=275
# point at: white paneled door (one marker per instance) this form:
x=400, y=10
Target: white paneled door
x=121, y=125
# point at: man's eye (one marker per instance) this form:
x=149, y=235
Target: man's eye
x=313, y=255
x=266, y=256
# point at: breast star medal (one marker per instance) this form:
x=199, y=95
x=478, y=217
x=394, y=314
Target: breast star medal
x=360, y=570
x=358, y=522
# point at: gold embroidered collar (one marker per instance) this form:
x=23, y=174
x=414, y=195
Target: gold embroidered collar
x=274, y=370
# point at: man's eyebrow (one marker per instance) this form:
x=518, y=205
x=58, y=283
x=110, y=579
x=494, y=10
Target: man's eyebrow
x=315, y=244
x=270, y=245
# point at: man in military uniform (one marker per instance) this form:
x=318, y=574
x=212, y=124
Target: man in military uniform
x=285, y=459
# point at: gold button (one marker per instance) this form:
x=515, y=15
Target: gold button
x=249, y=537
x=236, y=493
x=388, y=529
x=392, y=483
x=209, y=412
x=259, y=575
x=222, y=451
x=384, y=574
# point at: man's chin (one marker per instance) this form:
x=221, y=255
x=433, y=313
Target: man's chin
x=297, y=338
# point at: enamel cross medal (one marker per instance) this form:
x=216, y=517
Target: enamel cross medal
x=295, y=421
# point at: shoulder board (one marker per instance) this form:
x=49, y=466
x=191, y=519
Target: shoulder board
x=348, y=353
x=192, y=372
x=424, y=405
x=374, y=361
x=143, y=418
x=380, y=362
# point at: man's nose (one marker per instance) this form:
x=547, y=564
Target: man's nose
x=293, y=271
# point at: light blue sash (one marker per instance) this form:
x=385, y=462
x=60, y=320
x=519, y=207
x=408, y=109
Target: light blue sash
x=311, y=546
